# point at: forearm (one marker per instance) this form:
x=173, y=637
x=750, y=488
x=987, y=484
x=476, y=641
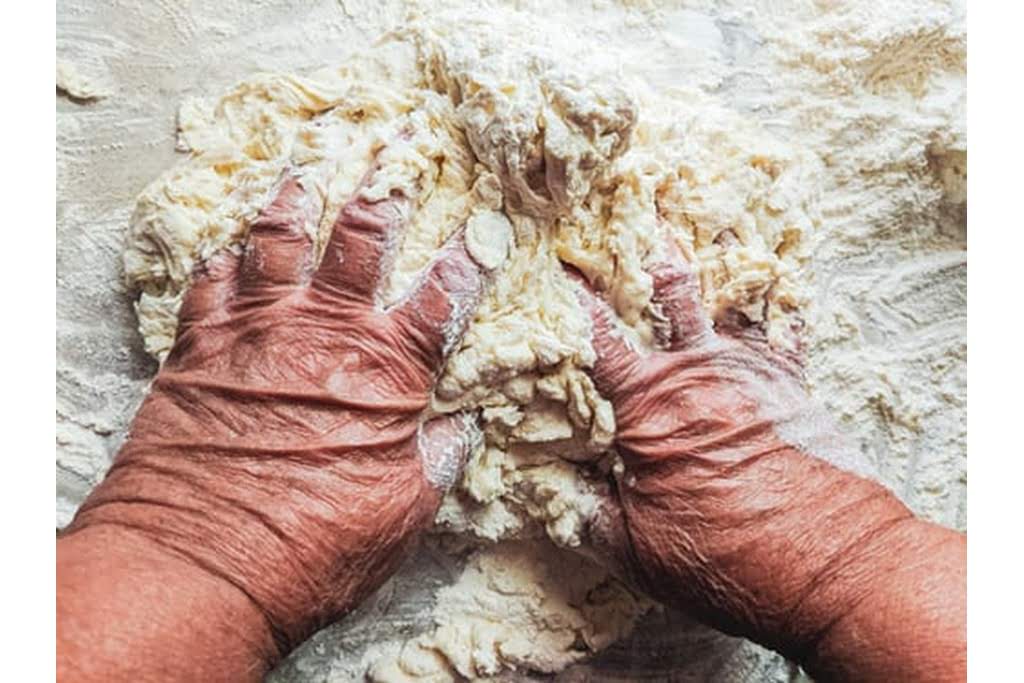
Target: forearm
x=822, y=565
x=907, y=618
x=129, y=610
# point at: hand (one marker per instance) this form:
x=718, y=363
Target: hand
x=728, y=506
x=283, y=445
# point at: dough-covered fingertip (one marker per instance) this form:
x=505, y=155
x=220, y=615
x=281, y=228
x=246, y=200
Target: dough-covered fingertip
x=445, y=444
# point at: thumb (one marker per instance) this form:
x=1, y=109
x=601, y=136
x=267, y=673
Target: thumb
x=608, y=535
x=677, y=299
x=445, y=444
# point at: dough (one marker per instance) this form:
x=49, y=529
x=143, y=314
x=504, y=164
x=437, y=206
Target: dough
x=520, y=604
x=584, y=169
x=558, y=146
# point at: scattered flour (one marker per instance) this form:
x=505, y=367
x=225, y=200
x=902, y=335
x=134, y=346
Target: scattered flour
x=809, y=160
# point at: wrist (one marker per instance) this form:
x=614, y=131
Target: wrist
x=161, y=613
x=769, y=547
x=819, y=553
x=860, y=533
x=192, y=513
x=305, y=535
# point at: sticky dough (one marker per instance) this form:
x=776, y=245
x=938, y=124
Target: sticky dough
x=575, y=160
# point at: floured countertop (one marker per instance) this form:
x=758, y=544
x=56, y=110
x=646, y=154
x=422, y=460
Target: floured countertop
x=853, y=115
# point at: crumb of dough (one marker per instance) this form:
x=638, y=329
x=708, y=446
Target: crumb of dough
x=549, y=156
x=72, y=82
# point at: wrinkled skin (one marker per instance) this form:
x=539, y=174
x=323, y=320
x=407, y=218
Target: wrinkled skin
x=729, y=508
x=283, y=446
x=284, y=462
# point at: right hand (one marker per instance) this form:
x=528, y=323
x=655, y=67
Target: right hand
x=728, y=506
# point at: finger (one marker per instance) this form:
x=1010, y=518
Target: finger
x=207, y=301
x=279, y=248
x=363, y=238
x=783, y=344
x=677, y=301
x=615, y=355
x=442, y=303
x=445, y=444
x=608, y=533
x=214, y=284
x=735, y=324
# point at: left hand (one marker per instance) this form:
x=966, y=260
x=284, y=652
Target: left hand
x=284, y=445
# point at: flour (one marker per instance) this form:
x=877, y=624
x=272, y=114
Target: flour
x=809, y=160
x=888, y=329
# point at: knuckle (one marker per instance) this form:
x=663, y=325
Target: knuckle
x=374, y=219
x=453, y=272
x=273, y=221
x=671, y=280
